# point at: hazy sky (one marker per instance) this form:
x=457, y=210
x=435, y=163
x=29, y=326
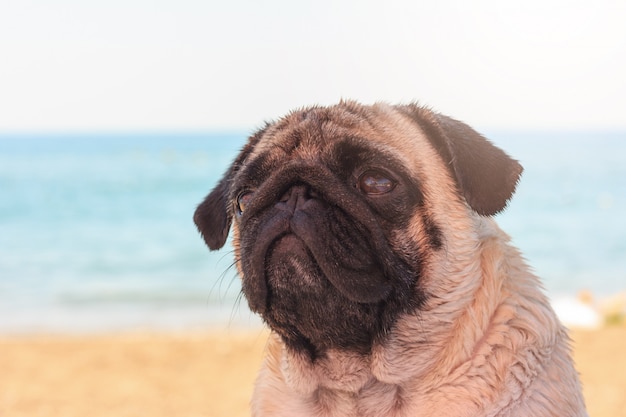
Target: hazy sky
x=187, y=64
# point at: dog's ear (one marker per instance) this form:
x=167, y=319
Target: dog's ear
x=214, y=215
x=485, y=174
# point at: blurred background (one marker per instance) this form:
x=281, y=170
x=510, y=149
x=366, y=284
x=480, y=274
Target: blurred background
x=118, y=117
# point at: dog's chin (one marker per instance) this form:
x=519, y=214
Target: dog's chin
x=307, y=310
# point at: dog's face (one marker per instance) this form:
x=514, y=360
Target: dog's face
x=337, y=213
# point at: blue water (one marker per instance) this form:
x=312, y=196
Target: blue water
x=96, y=230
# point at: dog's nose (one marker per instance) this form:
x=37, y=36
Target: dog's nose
x=295, y=197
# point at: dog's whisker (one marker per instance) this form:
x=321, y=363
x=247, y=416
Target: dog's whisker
x=236, y=308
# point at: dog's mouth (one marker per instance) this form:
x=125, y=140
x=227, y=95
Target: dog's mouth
x=314, y=277
x=311, y=308
x=315, y=263
x=316, y=248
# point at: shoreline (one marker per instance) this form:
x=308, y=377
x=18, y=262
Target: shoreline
x=579, y=310
x=206, y=372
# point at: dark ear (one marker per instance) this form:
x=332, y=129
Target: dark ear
x=214, y=215
x=485, y=174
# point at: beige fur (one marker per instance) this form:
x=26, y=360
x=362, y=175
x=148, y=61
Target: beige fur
x=486, y=343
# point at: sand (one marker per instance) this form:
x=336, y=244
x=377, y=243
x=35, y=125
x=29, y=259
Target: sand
x=205, y=374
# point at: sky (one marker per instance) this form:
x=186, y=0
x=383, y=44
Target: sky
x=125, y=65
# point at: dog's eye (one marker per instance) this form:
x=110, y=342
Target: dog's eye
x=242, y=201
x=375, y=183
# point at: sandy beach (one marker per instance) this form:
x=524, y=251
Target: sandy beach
x=205, y=374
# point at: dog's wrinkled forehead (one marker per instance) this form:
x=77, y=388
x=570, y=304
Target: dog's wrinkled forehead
x=340, y=140
x=342, y=136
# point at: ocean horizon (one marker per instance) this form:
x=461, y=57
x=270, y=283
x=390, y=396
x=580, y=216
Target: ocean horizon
x=96, y=230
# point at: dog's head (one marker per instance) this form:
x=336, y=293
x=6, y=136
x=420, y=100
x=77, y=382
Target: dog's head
x=337, y=211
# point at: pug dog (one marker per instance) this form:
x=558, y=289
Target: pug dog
x=364, y=238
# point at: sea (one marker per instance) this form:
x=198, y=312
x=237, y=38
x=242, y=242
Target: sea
x=96, y=230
